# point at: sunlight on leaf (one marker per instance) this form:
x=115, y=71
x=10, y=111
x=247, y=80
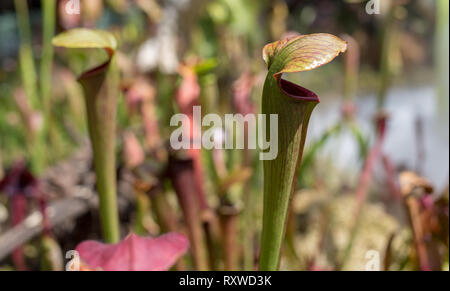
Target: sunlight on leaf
x=304, y=52
x=85, y=38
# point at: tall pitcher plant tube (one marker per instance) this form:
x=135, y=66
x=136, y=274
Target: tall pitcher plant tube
x=101, y=88
x=293, y=105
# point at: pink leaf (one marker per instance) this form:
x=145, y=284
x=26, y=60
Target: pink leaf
x=135, y=253
x=133, y=154
x=189, y=91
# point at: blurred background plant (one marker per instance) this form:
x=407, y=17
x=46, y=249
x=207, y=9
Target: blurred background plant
x=383, y=115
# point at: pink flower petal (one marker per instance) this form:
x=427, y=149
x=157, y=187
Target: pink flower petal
x=135, y=253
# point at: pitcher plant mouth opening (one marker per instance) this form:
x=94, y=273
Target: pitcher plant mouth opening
x=295, y=91
x=98, y=69
x=88, y=39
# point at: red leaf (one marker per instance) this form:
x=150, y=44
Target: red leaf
x=19, y=181
x=135, y=253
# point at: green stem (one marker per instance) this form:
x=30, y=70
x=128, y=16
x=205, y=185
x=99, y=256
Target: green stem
x=280, y=173
x=167, y=218
x=101, y=88
x=248, y=230
x=27, y=66
x=49, y=18
x=229, y=218
x=1, y=164
x=441, y=53
x=142, y=210
x=29, y=80
x=389, y=47
x=351, y=69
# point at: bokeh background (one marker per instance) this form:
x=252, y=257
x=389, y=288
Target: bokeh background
x=397, y=66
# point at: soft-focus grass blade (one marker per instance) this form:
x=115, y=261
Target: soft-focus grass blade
x=26, y=60
x=49, y=19
x=441, y=53
x=29, y=80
